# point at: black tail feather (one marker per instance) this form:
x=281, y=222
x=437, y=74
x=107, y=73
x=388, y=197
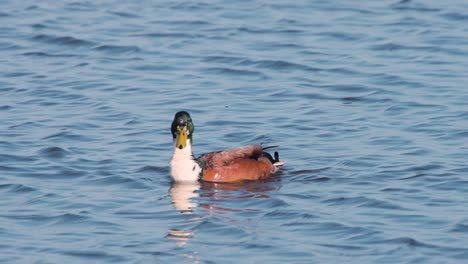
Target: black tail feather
x=275, y=155
x=266, y=154
x=269, y=147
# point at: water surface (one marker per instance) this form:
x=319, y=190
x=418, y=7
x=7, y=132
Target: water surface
x=367, y=102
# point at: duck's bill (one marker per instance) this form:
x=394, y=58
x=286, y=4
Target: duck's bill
x=182, y=138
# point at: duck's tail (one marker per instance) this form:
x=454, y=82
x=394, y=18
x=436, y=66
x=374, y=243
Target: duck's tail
x=278, y=163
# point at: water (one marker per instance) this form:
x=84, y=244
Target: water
x=367, y=102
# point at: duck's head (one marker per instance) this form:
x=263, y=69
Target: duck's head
x=182, y=129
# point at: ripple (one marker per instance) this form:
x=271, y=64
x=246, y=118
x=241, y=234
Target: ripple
x=408, y=241
x=391, y=47
x=62, y=40
x=53, y=173
x=53, y=152
x=342, y=36
x=80, y=6
x=224, y=59
x=287, y=214
x=66, y=135
x=53, y=220
x=235, y=72
x=308, y=171
x=459, y=185
x=116, y=49
x=460, y=227
x=164, y=169
x=16, y=158
x=132, y=214
x=397, y=109
x=69, y=219
x=6, y=46
x=344, y=247
x=326, y=228
x=124, y=14
x=362, y=201
x=16, y=188
x=414, y=176
x=269, y=31
x=269, y=64
x=153, y=68
x=184, y=22
x=47, y=55
x=456, y=16
x=219, y=229
x=115, y=180
x=15, y=74
x=279, y=65
x=170, y=35
x=94, y=255
x=408, y=5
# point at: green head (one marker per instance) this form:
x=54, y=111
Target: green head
x=182, y=129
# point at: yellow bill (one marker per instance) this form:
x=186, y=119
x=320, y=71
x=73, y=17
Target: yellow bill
x=182, y=138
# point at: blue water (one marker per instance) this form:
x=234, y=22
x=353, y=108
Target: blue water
x=367, y=101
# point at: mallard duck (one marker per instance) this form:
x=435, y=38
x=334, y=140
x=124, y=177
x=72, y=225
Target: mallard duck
x=240, y=164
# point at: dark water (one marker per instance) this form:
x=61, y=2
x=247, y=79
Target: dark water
x=367, y=101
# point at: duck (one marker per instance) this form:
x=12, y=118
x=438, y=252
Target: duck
x=247, y=163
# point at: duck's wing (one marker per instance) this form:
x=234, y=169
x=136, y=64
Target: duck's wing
x=227, y=157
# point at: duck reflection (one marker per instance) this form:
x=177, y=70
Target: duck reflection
x=186, y=197
x=182, y=194
x=238, y=191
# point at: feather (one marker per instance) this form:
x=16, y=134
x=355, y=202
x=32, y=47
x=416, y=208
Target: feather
x=227, y=157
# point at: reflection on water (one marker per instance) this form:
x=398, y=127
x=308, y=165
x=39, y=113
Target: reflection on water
x=182, y=195
x=216, y=200
x=181, y=236
x=239, y=191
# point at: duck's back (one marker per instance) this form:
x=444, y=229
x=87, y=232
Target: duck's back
x=240, y=164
